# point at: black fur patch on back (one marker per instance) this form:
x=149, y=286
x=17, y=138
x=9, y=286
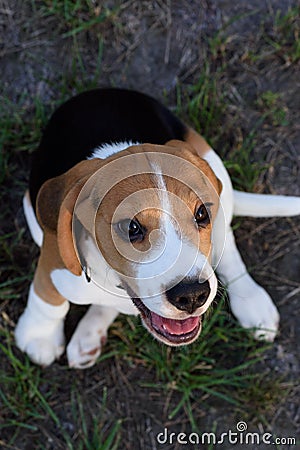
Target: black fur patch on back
x=96, y=117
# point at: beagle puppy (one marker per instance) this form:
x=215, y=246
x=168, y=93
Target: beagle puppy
x=132, y=209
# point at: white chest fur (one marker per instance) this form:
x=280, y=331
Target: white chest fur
x=102, y=289
x=78, y=290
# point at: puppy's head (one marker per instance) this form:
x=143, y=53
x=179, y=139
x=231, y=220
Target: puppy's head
x=150, y=211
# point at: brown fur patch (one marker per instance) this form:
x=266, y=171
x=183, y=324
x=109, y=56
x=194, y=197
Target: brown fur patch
x=49, y=260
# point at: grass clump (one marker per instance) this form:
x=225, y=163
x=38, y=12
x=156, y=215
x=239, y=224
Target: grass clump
x=262, y=394
x=77, y=16
x=19, y=392
x=203, y=105
x=93, y=432
x=20, y=130
x=201, y=370
x=285, y=39
x=273, y=109
x=244, y=171
x=28, y=398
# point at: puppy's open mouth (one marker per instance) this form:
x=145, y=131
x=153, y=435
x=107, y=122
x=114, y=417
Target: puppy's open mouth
x=170, y=331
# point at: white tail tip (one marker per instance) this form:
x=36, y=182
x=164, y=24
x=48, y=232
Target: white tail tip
x=33, y=225
x=262, y=205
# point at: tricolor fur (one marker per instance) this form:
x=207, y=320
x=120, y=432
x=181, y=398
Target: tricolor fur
x=167, y=188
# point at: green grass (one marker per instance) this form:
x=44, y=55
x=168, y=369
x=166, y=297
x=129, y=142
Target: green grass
x=279, y=37
x=79, y=78
x=78, y=16
x=220, y=365
x=20, y=131
x=243, y=170
x=262, y=394
x=272, y=106
x=201, y=369
x=285, y=39
x=219, y=44
x=19, y=385
x=98, y=435
x=27, y=400
x=203, y=104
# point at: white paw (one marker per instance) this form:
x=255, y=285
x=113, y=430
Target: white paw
x=256, y=311
x=44, y=352
x=43, y=342
x=90, y=335
x=85, y=347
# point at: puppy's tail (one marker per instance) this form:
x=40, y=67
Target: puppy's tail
x=261, y=205
x=33, y=225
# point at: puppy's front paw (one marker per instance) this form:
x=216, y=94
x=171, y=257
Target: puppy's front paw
x=90, y=335
x=257, y=311
x=43, y=352
x=85, y=347
x=43, y=342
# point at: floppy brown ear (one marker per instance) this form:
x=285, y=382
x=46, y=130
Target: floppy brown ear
x=55, y=206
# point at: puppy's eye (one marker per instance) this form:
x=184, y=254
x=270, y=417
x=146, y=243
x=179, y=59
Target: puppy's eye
x=131, y=229
x=202, y=217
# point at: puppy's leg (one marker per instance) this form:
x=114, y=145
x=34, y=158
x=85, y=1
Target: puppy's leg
x=91, y=332
x=39, y=331
x=250, y=303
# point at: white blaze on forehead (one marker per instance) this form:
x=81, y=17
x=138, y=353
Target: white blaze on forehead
x=162, y=188
x=159, y=180
x=172, y=256
x=171, y=235
x=168, y=245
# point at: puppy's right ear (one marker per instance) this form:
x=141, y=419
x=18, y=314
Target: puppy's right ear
x=48, y=203
x=55, y=205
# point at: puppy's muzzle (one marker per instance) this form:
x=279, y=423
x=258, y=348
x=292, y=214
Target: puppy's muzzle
x=187, y=296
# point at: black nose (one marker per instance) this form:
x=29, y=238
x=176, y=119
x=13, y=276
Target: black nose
x=188, y=296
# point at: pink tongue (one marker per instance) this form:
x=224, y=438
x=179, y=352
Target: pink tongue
x=173, y=326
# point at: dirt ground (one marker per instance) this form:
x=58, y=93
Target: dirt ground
x=153, y=46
